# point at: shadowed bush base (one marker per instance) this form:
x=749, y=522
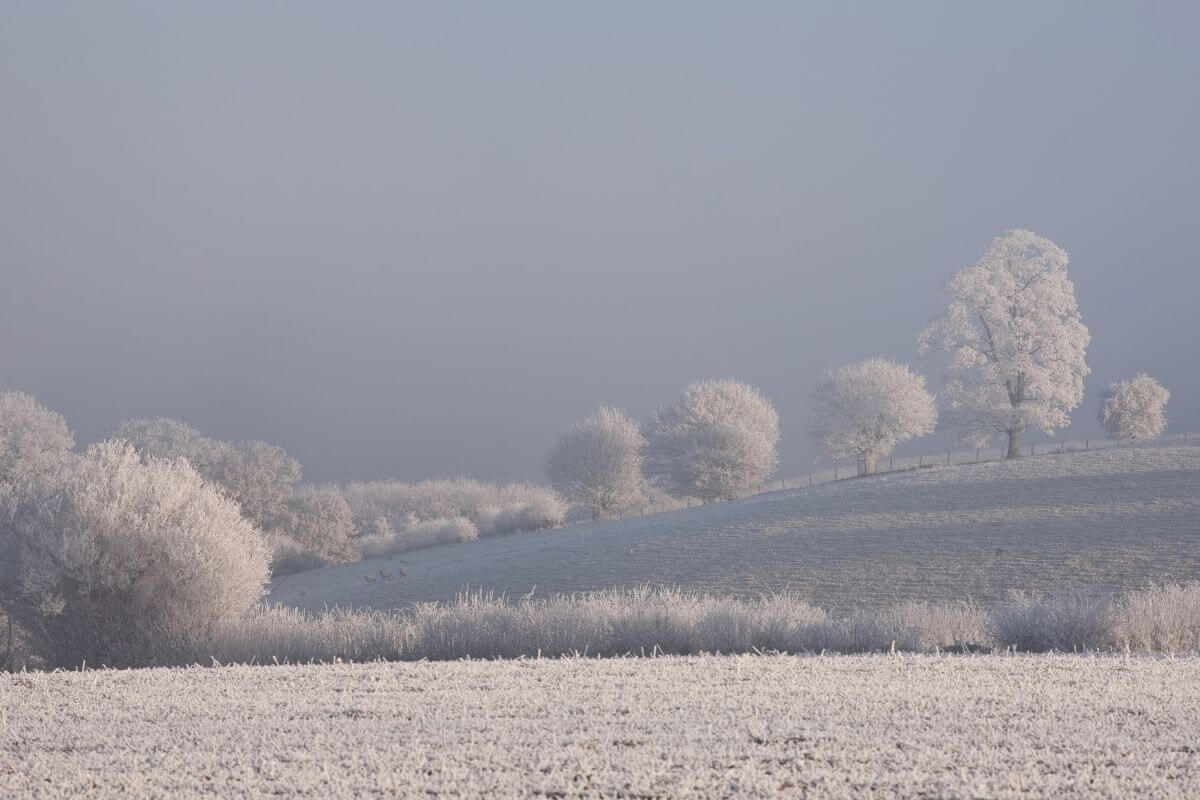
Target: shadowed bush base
x=668, y=621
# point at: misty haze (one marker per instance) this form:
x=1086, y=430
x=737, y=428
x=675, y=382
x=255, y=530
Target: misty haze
x=563, y=400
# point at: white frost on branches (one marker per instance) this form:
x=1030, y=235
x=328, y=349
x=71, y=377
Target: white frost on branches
x=115, y=557
x=716, y=441
x=1016, y=341
x=864, y=410
x=598, y=463
x=1134, y=410
x=35, y=442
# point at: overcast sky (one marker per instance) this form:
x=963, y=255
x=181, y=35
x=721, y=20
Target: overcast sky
x=419, y=240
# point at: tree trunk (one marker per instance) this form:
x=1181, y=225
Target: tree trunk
x=1014, y=444
x=868, y=464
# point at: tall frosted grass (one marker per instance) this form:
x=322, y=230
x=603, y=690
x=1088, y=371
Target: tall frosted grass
x=650, y=621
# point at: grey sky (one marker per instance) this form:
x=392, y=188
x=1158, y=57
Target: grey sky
x=417, y=241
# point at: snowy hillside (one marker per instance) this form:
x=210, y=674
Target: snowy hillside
x=1116, y=518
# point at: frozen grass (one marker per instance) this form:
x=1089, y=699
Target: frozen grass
x=675, y=727
x=668, y=621
x=1114, y=519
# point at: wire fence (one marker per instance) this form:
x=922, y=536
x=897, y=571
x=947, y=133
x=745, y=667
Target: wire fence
x=841, y=471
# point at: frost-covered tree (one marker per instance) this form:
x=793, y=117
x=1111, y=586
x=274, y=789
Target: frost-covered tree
x=318, y=519
x=119, y=560
x=1134, y=411
x=163, y=437
x=34, y=441
x=864, y=410
x=716, y=441
x=598, y=463
x=258, y=475
x=261, y=477
x=1015, y=339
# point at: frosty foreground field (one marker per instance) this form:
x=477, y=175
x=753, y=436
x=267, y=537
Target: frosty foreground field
x=757, y=726
x=1113, y=519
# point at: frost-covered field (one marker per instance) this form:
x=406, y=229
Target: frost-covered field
x=751, y=726
x=1111, y=518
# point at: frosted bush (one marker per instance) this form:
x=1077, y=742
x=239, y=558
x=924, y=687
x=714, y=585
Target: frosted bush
x=125, y=561
x=415, y=535
x=289, y=556
x=1070, y=622
x=489, y=508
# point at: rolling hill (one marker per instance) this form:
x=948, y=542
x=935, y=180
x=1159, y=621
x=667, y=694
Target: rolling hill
x=1112, y=518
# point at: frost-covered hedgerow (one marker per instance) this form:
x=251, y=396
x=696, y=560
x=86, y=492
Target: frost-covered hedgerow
x=415, y=535
x=120, y=560
x=390, y=508
x=650, y=621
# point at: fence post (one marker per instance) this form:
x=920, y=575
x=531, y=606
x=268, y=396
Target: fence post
x=810, y=479
x=890, y=467
x=948, y=458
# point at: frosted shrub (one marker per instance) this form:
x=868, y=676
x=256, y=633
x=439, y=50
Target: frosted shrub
x=490, y=509
x=125, y=561
x=289, y=556
x=415, y=535
x=1067, y=623
x=34, y=441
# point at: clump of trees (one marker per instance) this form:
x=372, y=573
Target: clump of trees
x=864, y=410
x=261, y=477
x=1134, y=410
x=597, y=464
x=715, y=442
x=1015, y=339
x=119, y=559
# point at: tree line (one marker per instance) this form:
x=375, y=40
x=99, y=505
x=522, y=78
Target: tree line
x=1016, y=345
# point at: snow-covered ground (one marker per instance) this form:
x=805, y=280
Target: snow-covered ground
x=1114, y=518
x=744, y=726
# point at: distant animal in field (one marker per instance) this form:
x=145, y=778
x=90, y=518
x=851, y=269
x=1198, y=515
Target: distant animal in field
x=370, y=578
x=385, y=574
